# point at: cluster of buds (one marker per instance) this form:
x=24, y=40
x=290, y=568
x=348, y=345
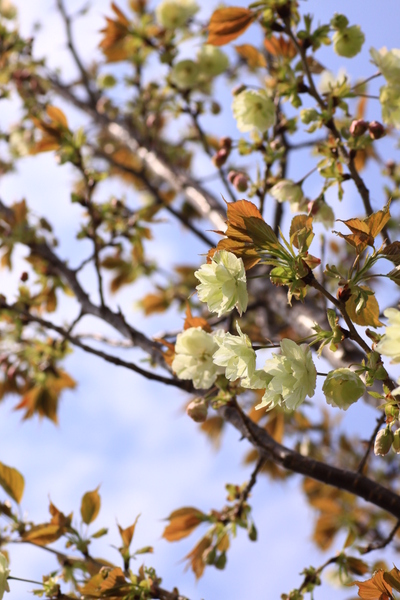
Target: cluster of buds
x=220, y=158
x=239, y=180
x=358, y=127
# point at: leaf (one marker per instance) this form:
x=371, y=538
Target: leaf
x=90, y=506
x=213, y=429
x=57, y=116
x=369, y=315
x=375, y=588
x=227, y=24
x=246, y=232
x=128, y=533
x=43, y=399
x=279, y=46
x=43, y=534
x=252, y=56
x=196, y=556
x=365, y=231
x=182, y=522
x=58, y=518
x=113, y=44
x=393, y=578
x=301, y=233
x=12, y=482
x=155, y=303
x=191, y=321
x=392, y=252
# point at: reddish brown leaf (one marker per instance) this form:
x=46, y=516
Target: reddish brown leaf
x=127, y=534
x=375, y=588
x=181, y=523
x=252, y=56
x=43, y=534
x=227, y=24
x=115, y=32
x=191, y=321
x=196, y=557
x=279, y=46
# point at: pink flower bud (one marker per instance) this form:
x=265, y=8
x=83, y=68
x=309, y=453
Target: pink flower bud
x=376, y=130
x=220, y=158
x=197, y=410
x=241, y=182
x=358, y=127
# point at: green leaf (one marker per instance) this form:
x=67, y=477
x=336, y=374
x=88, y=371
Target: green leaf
x=90, y=506
x=12, y=482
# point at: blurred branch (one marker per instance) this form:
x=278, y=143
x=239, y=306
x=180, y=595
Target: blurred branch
x=353, y=482
x=123, y=132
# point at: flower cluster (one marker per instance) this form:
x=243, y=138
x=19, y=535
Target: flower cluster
x=253, y=109
x=293, y=377
x=390, y=343
x=388, y=62
x=4, y=573
x=193, y=360
x=211, y=61
x=223, y=283
x=173, y=14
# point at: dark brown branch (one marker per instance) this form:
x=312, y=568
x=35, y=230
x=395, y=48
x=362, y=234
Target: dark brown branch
x=349, y=158
x=123, y=131
x=115, y=360
x=155, y=192
x=353, y=482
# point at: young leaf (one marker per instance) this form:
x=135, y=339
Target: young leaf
x=90, y=506
x=12, y=482
x=182, y=522
x=369, y=314
x=227, y=24
x=251, y=55
x=375, y=588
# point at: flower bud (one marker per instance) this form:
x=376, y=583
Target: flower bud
x=173, y=14
x=396, y=441
x=342, y=387
x=241, y=182
x=358, y=127
x=348, y=42
x=225, y=142
x=308, y=115
x=7, y=9
x=231, y=176
x=184, y=74
x=212, y=61
x=376, y=130
x=343, y=293
x=339, y=21
x=197, y=410
x=383, y=442
x=220, y=158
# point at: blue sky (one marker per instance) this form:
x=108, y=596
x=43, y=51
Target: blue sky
x=133, y=437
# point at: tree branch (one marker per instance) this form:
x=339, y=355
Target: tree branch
x=353, y=482
x=123, y=131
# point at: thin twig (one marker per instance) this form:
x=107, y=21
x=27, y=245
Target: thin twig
x=371, y=441
x=385, y=542
x=85, y=78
